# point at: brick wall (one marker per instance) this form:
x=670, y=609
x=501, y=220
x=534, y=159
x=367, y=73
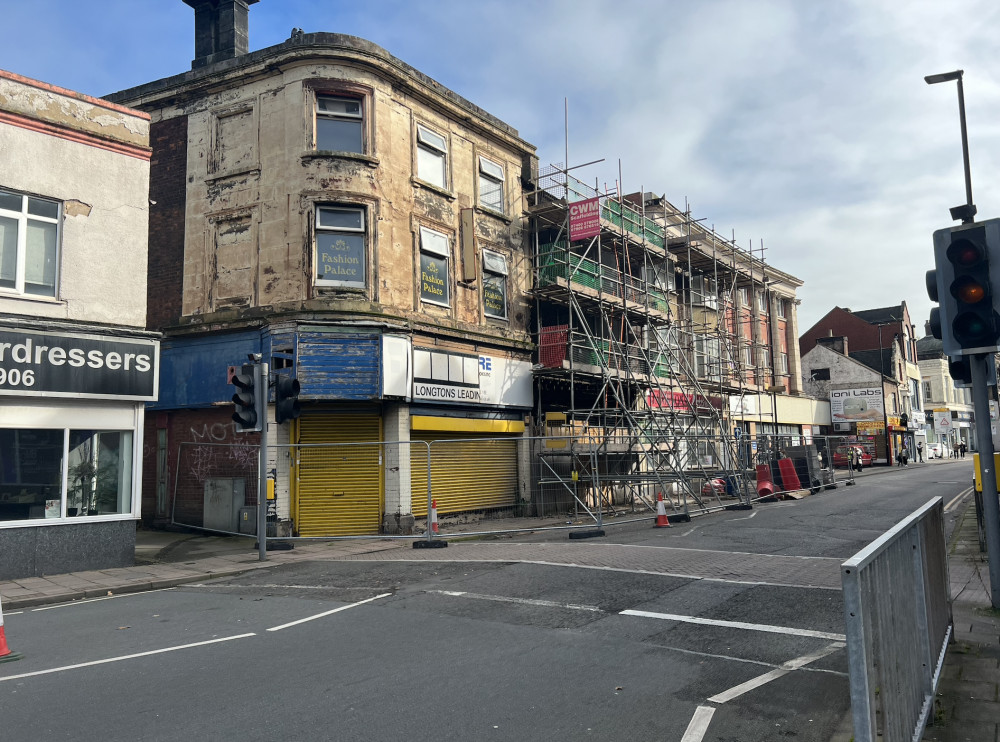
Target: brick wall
x=167, y=189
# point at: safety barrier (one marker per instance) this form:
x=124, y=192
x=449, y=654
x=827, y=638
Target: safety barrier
x=898, y=614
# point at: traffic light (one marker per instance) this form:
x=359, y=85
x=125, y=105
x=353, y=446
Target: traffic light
x=960, y=369
x=286, y=398
x=962, y=282
x=247, y=417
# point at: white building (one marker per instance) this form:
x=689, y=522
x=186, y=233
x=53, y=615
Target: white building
x=76, y=365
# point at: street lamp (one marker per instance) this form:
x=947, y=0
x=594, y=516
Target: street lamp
x=967, y=211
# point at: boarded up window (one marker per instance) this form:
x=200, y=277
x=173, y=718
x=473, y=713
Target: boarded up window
x=235, y=142
x=235, y=262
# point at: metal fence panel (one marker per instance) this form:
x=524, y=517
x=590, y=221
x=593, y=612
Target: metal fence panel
x=898, y=615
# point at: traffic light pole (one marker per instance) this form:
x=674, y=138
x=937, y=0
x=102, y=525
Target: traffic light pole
x=261, y=370
x=984, y=434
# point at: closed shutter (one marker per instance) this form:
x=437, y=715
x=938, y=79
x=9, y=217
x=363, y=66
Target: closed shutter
x=339, y=486
x=470, y=474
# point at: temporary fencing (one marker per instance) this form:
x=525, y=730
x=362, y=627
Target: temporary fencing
x=898, y=615
x=483, y=484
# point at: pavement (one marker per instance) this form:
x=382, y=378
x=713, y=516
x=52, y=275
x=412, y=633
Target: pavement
x=967, y=707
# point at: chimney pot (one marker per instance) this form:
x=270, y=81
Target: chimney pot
x=221, y=30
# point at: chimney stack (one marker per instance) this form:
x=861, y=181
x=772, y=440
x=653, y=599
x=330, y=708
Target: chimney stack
x=220, y=30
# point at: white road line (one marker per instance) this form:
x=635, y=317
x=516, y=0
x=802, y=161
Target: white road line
x=574, y=565
x=97, y=600
x=124, y=657
x=520, y=601
x=754, y=514
x=328, y=613
x=699, y=724
x=785, y=668
x=737, y=625
x=954, y=501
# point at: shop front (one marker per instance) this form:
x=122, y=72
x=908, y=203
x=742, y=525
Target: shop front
x=71, y=439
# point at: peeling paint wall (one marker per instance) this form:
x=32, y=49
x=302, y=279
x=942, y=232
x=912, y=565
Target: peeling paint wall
x=93, y=158
x=254, y=180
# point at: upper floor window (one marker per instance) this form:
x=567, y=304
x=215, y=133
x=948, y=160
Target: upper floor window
x=704, y=292
x=761, y=302
x=340, y=246
x=435, y=250
x=490, y=185
x=29, y=244
x=928, y=394
x=781, y=309
x=432, y=157
x=744, y=297
x=339, y=124
x=494, y=285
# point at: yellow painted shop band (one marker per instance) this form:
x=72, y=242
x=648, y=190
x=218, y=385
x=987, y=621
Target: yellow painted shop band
x=979, y=475
x=465, y=424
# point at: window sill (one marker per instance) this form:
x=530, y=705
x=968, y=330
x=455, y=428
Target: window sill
x=217, y=176
x=431, y=187
x=487, y=211
x=6, y=294
x=325, y=154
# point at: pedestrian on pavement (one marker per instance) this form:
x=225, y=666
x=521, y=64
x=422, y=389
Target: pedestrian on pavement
x=904, y=454
x=920, y=452
x=857, y=459
x=961, y=448
x=899, y=457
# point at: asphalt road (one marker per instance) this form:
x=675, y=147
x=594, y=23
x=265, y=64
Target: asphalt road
x=727, y=628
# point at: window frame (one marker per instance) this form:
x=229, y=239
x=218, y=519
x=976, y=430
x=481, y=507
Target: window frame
x=361, y=118
x=22, y=219
x=782, y=312
x=424, y=136
x=428, y=248
x=329, y=283
x=502, y=271
x=500, y=181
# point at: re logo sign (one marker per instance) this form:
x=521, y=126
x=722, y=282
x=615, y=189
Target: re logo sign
x=584, y=219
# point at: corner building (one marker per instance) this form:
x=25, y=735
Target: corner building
x=329, y=207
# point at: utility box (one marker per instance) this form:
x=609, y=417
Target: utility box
x=248, y=521
x=223, y=498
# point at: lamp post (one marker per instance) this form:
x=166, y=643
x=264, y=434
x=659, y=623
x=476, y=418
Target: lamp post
x=967, y=211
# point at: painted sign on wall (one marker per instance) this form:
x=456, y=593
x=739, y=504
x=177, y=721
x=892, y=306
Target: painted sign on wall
x=440, y=376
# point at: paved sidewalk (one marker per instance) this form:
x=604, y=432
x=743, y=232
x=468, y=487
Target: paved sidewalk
x=967, y=707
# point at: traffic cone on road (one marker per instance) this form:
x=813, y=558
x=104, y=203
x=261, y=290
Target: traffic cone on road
x=6, y=655
x=434, y=516
x=661, y=512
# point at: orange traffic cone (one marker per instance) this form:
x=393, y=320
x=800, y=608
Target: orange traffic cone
x=6, y=655
x=434, y=516
x=661, y=512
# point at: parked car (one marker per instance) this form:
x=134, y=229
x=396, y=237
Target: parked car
x=840, y=456
x=938, y=450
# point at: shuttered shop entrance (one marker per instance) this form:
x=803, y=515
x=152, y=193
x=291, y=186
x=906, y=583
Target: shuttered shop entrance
x=339, y=487
x=475, y=473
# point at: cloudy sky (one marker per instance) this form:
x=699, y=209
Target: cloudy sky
x=803, y=126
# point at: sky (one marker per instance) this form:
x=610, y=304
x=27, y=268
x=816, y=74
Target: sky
x=802, y=128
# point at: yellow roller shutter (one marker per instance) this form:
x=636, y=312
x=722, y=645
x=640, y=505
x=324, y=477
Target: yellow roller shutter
x=339, y=486
x=475, y=473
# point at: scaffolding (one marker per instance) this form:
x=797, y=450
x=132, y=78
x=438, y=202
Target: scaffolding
x=650, y=335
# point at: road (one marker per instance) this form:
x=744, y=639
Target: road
x=727, y=628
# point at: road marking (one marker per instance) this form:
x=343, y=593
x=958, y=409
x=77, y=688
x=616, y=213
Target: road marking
x=754, y=514
x=269, y=586
x=954, y=501
x=699, y=724
x=125, y=657
x=97, y=600
x=737, y=625
x=684, y=576
x=785, y=668
x=520, y=601
x=328, y=613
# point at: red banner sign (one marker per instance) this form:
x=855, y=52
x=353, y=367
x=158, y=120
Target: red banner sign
x=584, y=219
